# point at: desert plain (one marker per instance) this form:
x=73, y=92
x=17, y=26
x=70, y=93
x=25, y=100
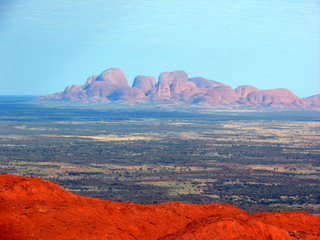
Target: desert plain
x=257, y=160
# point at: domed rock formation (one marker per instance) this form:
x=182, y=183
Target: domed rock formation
x=175, y=87
x=219, y=94
x=172, y=77
x=179, y=87
x=244, y=90
x=277, y=97
x=165, y=84
x=96, y=88
x=114, y=77
x=126, y=94
x=106, y=83
x=205, y=83
x=32, y=208
x=144, y=83
x=314, y=101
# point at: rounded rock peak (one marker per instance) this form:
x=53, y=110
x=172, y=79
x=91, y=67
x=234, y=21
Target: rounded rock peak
x=171, y=77
x=206, y=83
x=144, y=83
x=113, y=76
x=244, y=90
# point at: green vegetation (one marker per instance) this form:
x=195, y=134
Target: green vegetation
x=259, y=161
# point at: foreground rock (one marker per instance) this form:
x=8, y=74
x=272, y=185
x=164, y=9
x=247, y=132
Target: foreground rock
x=176, y=88
x=32, y=208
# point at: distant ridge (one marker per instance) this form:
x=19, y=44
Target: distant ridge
x=176, y=88
x=32, y=208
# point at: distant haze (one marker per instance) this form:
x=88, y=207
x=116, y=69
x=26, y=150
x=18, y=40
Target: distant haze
x=48, y=45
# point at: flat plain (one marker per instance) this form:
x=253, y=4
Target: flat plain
x=256, y=160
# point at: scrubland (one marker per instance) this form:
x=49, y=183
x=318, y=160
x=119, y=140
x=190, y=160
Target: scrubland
x=258, y=161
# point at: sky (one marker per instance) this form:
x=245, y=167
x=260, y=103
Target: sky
x=48, y=45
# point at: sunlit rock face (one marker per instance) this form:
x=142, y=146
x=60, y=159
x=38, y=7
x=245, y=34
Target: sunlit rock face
x=176, y=88
x=96, y=88
x=106, y=83
x=275, y=97
x=32, y=208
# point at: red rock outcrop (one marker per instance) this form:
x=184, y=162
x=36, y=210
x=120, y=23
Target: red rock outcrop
x=237, y=225
x=162, y=92
x=205, y=83
x=90, y=80
x=106, y=83
x=144, y=83
x=244, y=90
x=126, y=94
x=175, y=87
x=172, y=77
x=275, y=97
x=32, y=208
x=220, y=94
x=190, y=95
x=314, y=101
x=96, y=88
x=179, y=87
x=166, y=83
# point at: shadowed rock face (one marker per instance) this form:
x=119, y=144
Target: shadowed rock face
x=128, y=94
x=205, y=83
x=179, y=87
x=244, y=90
x=32, y=208
x=144, y=83
x=176, y=87
x=168, y=84
x=172, y=77
x=314, y=101
x=220, y=94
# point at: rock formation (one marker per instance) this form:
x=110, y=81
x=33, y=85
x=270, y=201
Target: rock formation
x=144, y=83
x=205, y=83
x=32, y=208
x=176, y=87
x=127, y=94
x=244, y=90
x=96, y=88
x=274, y=97
x=314, y=101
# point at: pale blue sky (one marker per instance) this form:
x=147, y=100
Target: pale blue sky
x=48, y=45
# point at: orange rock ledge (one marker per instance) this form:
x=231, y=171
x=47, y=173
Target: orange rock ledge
x=33, y=208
